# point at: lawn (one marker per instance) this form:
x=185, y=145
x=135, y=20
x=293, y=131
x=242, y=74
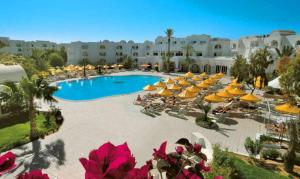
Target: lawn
x=18, y=133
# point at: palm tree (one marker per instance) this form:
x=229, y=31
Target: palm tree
x=259, y=62
x=189, y=49
x=206, y=108
x=35, y=88
x=13, y=97
x=169, y=32
x=286, y=51
x=84, y=62
x=188, y=62
x=240, y=68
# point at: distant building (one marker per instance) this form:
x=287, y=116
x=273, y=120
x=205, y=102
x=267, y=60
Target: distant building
x=210, y=54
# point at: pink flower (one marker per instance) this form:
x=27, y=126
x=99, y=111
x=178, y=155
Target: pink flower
x=161, y=152
x=7, y=162
x=218, y=177
x=108, y=161
x=179, y=150
x=186, y=174
x=202, y=166
x=197, y=148
x=139, y=173
x=35, y=174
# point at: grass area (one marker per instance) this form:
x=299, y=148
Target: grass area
x=248, y=171
x=273, y=166
x=18, y=134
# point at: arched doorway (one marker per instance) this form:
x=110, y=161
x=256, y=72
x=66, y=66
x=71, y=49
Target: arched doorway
x=195, y=68
x=207, y=68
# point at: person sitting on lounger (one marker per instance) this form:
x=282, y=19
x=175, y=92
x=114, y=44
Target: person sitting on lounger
x=138, y=100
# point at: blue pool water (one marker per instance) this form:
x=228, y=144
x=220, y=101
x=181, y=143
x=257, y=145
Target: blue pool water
x=87, y=89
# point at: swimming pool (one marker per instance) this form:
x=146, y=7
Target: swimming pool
x=103, y=86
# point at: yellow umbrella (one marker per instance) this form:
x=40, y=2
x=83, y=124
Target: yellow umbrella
x=203, y=74
x=184, y=83
x=178, y=78
x=187, y=94
x=169, y=81
x=250, y=98
x=197, y=78
x=220, y=75
x=174, y=87
x=149, y=88
x=189, y=74
x=105, y=66
x=213, y=98
x=114, y=65
x=209, y=81
x=156, y=65
x=165, y=92
x=235, y=84
x=120, y=65
x=236, y=92
x=229, y=87
x=202, y=85
x=58, y=71
x=193, y=89
x=257, y=82
x=160, y=84
x=287, y=108
x=224, y=94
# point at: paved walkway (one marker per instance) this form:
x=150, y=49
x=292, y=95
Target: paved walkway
x=91, y=123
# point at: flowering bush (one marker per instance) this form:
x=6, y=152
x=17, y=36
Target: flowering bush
x=7, y=162
x=35, y=174
x=113, y=162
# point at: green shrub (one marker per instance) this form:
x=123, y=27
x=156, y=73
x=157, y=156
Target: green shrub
x=252, y=147
x=55, y=59
x=272, y=154
x=222, y=164
x=268, y=138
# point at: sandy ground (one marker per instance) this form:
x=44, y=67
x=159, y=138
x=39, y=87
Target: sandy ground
x=88, y=124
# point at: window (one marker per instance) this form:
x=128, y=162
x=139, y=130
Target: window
x=102, y=47
x=155, y=54
x=298, y=43
x=202, y=42
x=162, y=53
x=147, y=53
x=178, y=54
x=32, y=45
x=44, y=45
x=194, y=42
x=199, y=54
x=119, y=54
x=18, y=45
x=119, y=47
x=175, y=42
x=215, y=54
x=148, y=47
x=19, y=50
x=135, y=54
x=84, y=46
x=102, y=54
x=135, y=47
x=161, y=42
x=234, y=46
x=218, y=46
x=85, y=54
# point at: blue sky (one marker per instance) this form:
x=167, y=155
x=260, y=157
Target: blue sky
x=139, y=20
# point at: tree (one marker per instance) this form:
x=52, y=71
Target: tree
x=55, y=59
x=63, y=54
x=12, y=96
x=188, y=62
x=169, y=33
x=128, y=62
x=290, y=83
x=284, y=58
x=206, y=108
x=40, y=59
x=240, y=68
x=35, y=88
x=259, y=62
x=286, y=51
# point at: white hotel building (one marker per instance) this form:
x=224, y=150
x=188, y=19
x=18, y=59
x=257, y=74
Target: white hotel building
x=211, y=54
